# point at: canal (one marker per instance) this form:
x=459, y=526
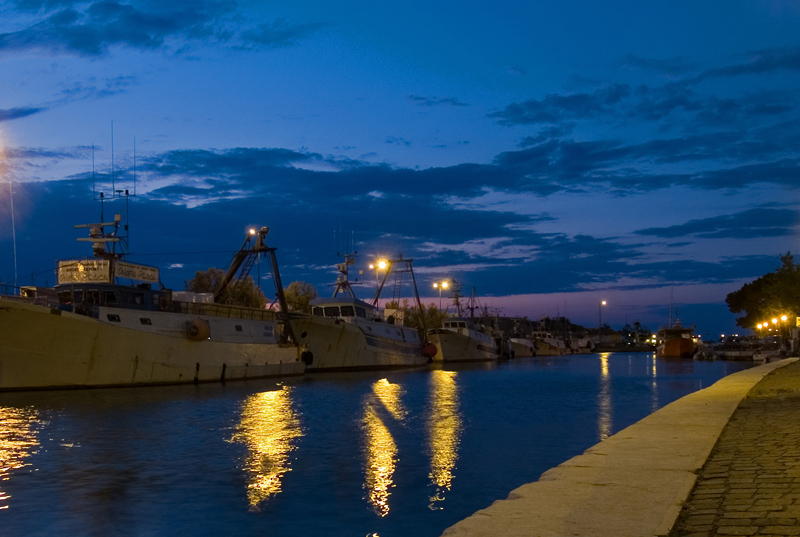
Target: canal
x=387, y=454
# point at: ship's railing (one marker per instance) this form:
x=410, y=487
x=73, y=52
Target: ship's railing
x=41, y=296
x=222, y=310
x=9, y=291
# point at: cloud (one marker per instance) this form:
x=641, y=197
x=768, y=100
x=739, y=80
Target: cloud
x=554, y=108
x=500, y=252
x=675, y=105
x=759, y=62
x=754, y=223
x=672, y=67
x=32, y=153
x=395, y=140
x=79, y=91
x=15, y=113
x=279, y=33
x=92, y=28
x=435, y=101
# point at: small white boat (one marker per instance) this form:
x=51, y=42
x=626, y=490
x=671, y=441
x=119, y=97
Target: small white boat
x=102, y=331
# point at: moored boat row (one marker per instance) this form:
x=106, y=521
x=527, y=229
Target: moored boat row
x=109, y=322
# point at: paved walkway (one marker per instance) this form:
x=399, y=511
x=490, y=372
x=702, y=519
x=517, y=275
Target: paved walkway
x=635, y=483
x=750, y=484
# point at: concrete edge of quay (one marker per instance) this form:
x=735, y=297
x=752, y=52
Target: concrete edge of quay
x=634, y=483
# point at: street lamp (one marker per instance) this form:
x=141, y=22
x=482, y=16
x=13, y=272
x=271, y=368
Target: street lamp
x=378, y=266
x=600, y=313
x=440, y=285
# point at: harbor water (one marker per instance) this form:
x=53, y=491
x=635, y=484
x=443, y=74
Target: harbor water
x=387, y=454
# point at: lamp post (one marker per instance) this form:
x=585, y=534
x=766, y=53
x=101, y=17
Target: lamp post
x=600, y=319
x=440, y=285
x=378, y=266
x=600, y=313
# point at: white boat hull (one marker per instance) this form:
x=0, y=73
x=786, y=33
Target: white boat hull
x=522, y=347
x=457, y=347
x=337, y=344
x=41, y=347
x=551, y=347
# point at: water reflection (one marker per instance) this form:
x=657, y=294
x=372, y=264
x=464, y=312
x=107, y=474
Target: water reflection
x=269, y=428
x=444, y=432
x=382, y=406
x=604, y=399
x=18, y=441
x=654, y=386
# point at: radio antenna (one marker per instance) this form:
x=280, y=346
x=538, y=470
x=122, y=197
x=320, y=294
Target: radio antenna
x=93, y=192
x=112, y=158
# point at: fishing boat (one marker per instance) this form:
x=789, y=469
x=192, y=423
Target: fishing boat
x=676, y=341
x=109, y=322
x=522, y=347
x=346, y=333
x=519, y=340
x=549, y=345
x=465, y=338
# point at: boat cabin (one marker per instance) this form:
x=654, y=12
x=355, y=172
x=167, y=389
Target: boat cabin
x=351, y=308
x=76, y=297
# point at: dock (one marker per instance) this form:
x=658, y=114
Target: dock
x=722, y=461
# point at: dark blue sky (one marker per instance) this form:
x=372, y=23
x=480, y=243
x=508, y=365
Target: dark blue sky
x=552, y=156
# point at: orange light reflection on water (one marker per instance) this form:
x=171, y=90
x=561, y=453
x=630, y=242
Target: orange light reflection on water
x=381, y=406
x=444, y=432
x=269, y=427
x=604, y=425
x=18, y=441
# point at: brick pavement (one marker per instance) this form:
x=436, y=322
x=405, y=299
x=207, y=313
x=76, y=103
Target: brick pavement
x=750, y=485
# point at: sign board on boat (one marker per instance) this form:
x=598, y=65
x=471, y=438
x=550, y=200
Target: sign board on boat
x=99, y=271
x=84, y=271
x=142, y=273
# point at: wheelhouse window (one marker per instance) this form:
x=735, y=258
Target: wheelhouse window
x=319, y=312
x=331, y=311
x=348, y=311
x=361, y=312
x=109, y=298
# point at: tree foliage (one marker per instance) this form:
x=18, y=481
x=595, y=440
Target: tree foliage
x=299, y=295
x=431, y=315
x=635, y=332
x=245, y=293
x=770, y=296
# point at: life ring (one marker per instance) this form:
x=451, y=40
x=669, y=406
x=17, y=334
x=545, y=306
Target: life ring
x=198, y=330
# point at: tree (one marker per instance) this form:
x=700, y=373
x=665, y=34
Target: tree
x=298, y=295
x=431, y=315
x=772, y=295
x=244, y=293
x=635, y=332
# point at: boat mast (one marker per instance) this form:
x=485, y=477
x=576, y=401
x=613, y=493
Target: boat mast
x=407, y=267
x=342, y=281
x=244, y=259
